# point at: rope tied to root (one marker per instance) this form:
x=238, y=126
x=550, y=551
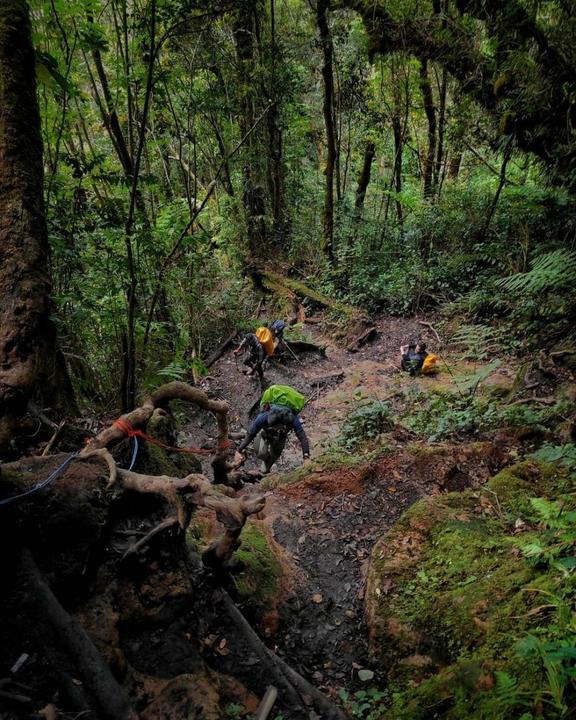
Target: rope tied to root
x=127, y=428
x=53, y=475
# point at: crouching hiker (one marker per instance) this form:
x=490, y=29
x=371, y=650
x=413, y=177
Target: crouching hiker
x=416, y=360
x=280, y=406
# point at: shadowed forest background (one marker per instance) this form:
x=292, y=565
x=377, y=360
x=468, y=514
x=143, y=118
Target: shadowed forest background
x=400, y=155
x=173, y=174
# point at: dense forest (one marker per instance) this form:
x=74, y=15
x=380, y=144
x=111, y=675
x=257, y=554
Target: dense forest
x=175, y=176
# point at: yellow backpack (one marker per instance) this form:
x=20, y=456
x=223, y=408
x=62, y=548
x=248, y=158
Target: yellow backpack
x=430, y=365
x=266, y=340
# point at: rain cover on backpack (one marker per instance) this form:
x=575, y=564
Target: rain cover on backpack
x=430, y=364
x=283, y=395
x=266, y=339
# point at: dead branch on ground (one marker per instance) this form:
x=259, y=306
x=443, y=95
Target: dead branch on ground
x=432, y=329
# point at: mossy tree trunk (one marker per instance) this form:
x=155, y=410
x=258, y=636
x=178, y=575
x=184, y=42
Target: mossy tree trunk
x=27, y=336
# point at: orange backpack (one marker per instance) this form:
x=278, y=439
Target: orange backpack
x=266, y=340
x=430, y=365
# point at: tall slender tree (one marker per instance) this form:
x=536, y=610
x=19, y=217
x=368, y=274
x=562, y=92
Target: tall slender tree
x=327, y=239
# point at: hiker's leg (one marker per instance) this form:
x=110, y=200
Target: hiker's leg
x=263, y=452
x=276, y=447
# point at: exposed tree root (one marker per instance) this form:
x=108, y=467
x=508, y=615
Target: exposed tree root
x=293, y=685
x=107, y=695
x=139, y=417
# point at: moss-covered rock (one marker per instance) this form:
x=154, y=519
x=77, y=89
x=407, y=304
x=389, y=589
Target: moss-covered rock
x=259, y=580
x=450, y=594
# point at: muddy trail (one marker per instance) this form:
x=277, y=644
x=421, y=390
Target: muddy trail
x=326, y=521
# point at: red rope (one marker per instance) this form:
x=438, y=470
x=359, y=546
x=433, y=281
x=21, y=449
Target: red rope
x=130, y=431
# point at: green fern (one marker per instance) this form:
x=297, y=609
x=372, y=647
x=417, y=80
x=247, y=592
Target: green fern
x=477, y=341
x=550, y=271
x=506, y=689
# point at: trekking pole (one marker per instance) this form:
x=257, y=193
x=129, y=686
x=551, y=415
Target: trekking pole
x=292, y=352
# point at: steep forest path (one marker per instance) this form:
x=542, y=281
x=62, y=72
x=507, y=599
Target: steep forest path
x=327, y=518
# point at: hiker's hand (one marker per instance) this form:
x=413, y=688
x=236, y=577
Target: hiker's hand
x=239, y=458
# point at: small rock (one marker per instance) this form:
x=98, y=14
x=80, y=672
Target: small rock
x=317, y=598
x=365, y=675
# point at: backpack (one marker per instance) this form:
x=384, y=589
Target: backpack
x=283, y=395
x=266, y=340
x=430, y=364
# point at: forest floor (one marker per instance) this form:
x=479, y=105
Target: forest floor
x=319, y=526
x=327, y=518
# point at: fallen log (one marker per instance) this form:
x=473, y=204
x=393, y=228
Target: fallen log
x=304, y=346
x=220, y=350
x=362, y=339
x=550, y=400
x=293, y=289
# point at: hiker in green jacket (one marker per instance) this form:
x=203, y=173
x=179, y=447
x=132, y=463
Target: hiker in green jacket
x=279, y=413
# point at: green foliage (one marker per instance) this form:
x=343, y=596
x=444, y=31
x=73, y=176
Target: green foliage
x=365, y=423
x=564, y=454
x=556, y=543
x=442, y=415
x=553, y=271
x=366, y=704
x=477, y=341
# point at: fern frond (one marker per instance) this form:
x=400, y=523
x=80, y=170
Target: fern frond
x=550, y=271
x=478, y=341
x=506, y=689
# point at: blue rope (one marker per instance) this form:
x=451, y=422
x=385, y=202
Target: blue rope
x=42, y=484
x=134, y=452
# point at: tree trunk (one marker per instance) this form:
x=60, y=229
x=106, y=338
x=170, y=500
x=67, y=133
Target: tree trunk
x=327, y=239
x=399, y=121
x=441, y=130
x=245, y=31
x=27, y=336
x=364, y=177
x=275, y=142
x=430, y=110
